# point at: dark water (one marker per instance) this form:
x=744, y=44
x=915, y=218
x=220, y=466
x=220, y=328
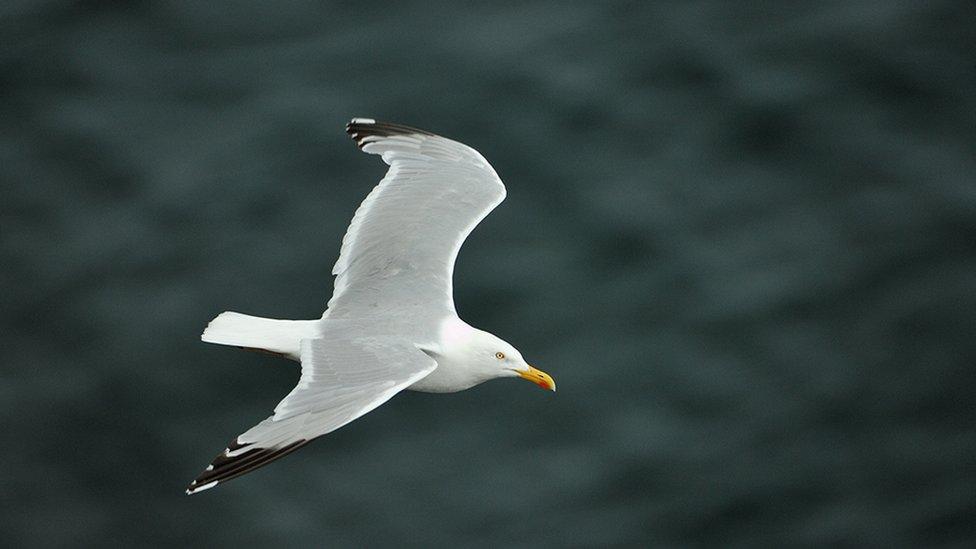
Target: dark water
x=741, y=237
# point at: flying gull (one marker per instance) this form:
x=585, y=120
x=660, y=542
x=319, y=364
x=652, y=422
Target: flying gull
x=391, y=323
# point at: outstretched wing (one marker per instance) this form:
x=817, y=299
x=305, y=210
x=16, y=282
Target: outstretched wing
x=400, y=248
x=341, y=380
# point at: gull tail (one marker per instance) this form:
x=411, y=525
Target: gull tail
x=281, y=337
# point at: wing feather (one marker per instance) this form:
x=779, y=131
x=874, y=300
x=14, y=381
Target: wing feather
x=341, y=381
x=400, y=249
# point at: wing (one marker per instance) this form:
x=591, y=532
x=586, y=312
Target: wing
x=400, y=248
x=341, y=380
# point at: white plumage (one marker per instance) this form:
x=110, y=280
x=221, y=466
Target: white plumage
x=391, y=323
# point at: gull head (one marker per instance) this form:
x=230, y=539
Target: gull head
x=494, y=357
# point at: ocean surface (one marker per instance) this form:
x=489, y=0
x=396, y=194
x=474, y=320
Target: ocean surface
x=741, y=237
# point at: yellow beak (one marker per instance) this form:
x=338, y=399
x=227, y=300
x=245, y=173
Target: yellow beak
x=538, y=377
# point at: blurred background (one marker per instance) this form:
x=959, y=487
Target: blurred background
x=741, y=236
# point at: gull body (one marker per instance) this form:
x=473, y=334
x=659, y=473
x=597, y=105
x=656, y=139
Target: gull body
x=465, y=355
x=391, y=324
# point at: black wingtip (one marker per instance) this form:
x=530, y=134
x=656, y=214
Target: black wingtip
x=225, y=467
x=361, y=128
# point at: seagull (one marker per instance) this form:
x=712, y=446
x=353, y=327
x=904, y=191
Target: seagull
x=391, y=324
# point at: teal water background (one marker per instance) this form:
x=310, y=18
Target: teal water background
x=741, y=236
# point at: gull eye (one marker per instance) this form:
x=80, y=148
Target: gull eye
x=500, y=355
